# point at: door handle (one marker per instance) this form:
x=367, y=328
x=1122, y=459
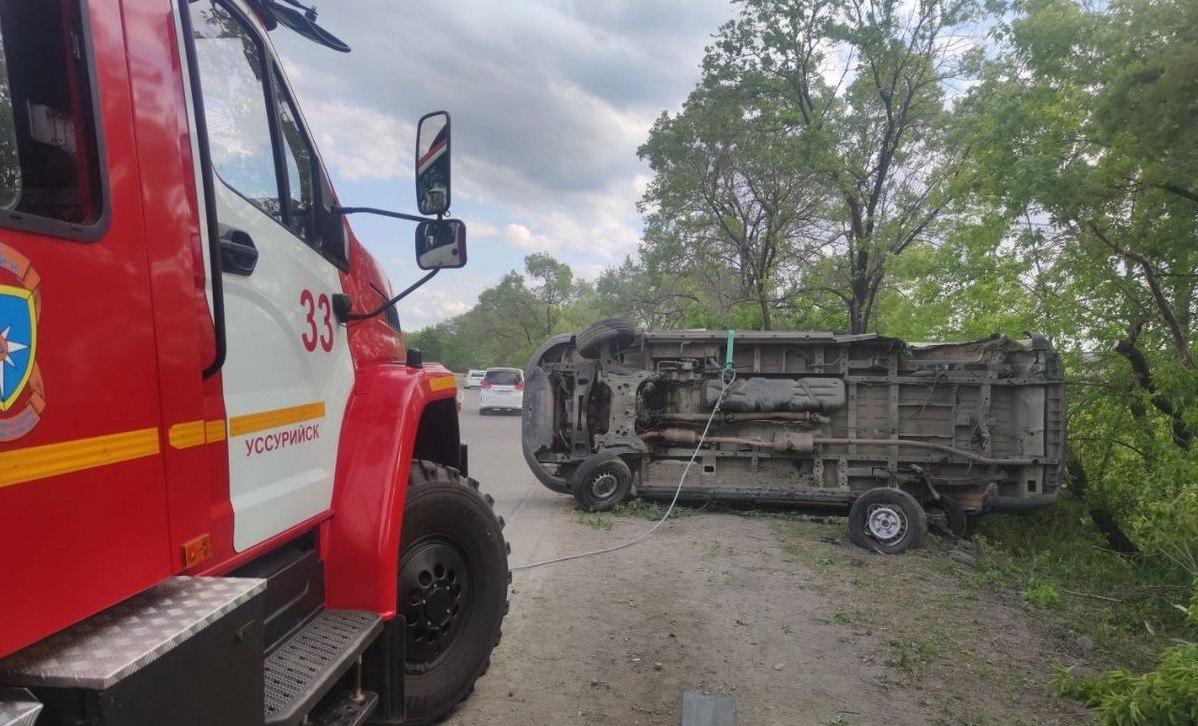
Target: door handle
x=238, y=255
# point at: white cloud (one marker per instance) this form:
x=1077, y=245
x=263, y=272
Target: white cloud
x=550, y=100
x=357, y=143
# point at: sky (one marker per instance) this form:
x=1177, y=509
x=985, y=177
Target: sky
x=549, y=101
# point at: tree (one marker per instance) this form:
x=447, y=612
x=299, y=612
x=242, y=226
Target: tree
x=1084, y=129
x=729, y=194
x=860, y=86
x=552, y=286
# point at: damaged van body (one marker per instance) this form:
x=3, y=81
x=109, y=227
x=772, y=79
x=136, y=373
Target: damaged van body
x=899, y=433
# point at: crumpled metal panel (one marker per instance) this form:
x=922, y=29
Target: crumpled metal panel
x=112, y=645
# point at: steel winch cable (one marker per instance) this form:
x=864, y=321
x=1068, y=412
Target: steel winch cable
x=727, y=376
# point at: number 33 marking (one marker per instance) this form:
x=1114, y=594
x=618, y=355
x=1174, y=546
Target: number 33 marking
x=313, y=335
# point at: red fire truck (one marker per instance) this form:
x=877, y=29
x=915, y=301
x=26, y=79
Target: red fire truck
x=228, y=495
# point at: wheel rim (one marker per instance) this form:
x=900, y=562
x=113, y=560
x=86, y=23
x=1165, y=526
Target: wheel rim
x=885, y=523
x=604, y=485
x=435, y=588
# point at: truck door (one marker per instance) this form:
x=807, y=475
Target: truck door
x=288, y=372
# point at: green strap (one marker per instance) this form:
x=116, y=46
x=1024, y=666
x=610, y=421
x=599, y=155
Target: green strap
x=728, y=362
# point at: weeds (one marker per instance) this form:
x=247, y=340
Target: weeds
x=1043, y=595
x=786, y=628
x=1167, y=695
x=649, y=509
x=717, y=547
x=910, y=655
x=594, y=520
x=1059, y=561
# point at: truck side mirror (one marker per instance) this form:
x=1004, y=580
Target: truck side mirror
x=432, y=163
x=440, y=243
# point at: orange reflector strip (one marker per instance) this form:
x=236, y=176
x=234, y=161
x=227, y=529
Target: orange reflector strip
x=214, y=431
x=440, y=383
x=183, y=435
x=254, y=422
x=39, y=462
x=197, y=550
x=195, y=433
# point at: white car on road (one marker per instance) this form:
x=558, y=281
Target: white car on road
x=502, y=388
x=474, y=379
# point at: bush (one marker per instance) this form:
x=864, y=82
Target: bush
x=1042, y=594
x=1167, y=696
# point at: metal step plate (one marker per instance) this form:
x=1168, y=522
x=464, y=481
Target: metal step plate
x=343, y=710
x=18, y=707
x=110, y=646
x=309, y=663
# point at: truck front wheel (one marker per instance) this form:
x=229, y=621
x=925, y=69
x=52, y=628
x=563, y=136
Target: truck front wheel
x=453, y=582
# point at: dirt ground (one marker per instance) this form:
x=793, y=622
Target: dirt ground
x=783, y=615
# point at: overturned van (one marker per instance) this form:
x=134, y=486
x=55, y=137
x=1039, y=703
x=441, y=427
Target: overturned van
x=901, y=434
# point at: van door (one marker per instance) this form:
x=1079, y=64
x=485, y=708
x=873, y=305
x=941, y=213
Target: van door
x=288, y=373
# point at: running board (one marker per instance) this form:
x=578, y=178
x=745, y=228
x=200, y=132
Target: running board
x=310, y=662
x=18, y=707
x=344, y=709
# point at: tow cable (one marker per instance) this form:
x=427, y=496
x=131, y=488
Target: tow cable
x=727, y=376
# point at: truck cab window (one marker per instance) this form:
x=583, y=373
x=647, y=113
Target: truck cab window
x=298, y=157
x=239, y=137
x=49, y=165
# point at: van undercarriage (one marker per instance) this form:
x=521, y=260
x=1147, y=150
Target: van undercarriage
x=806, y=418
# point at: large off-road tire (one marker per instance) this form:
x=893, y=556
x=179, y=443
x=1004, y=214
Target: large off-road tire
x=595, y=337
x=453, y=588
x=946, y=517
x=888, y=521
x=601, y=482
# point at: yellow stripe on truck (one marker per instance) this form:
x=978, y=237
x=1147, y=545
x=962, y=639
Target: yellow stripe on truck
x=255, y=422
x=39, y=462
x=195, y=433
x=185, y=435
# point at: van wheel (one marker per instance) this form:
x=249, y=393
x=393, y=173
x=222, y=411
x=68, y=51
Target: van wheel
x=453, y=583
x=601, y=482
x=945, y=516
x=594, y=337
x=888, y=521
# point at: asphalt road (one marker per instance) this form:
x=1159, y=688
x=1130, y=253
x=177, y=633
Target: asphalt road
x=498, y=465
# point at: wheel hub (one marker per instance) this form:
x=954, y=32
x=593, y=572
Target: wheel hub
x=885, y=523
x=434, y=586
x=604, y=485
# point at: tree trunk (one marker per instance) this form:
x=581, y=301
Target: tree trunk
x=1079, y=484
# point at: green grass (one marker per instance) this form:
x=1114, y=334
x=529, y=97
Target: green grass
x=1057, y=560
x=650, y=509
x=594, y=520
x=841, y=617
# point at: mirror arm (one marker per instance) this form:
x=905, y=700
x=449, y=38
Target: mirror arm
x=380, y=212
x=347, y=317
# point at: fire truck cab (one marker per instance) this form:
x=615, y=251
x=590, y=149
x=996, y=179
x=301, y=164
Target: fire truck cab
x=228, y=494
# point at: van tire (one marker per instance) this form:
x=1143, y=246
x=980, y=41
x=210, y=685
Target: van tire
x=452, y=590
x=945, y=516
x=601, y=482
x=595, y=337
x=887, y=521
